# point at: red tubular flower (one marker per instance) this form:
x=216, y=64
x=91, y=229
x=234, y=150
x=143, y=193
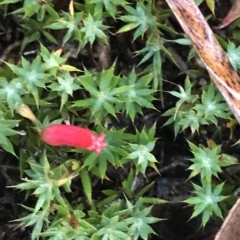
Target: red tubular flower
x=73, y=136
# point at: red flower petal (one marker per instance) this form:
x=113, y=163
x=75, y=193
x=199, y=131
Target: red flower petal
x=73, y=136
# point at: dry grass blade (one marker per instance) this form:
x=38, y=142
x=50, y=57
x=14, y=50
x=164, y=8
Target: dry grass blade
x=209, y=50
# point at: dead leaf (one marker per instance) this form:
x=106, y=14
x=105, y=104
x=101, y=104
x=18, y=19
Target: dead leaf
x=230, y=229
x=209, y=50
x=232, y=15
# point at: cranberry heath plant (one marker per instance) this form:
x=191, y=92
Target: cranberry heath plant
x=64, y=119
x=47, y=85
